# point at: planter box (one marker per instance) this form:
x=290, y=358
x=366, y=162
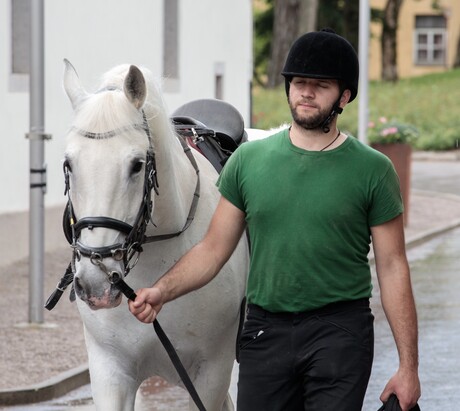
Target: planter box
x=401, y=157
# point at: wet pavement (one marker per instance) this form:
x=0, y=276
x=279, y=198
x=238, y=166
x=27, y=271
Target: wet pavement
x=437, y=176
x=435, y=277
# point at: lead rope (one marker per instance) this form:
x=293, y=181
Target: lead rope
x=170, y=350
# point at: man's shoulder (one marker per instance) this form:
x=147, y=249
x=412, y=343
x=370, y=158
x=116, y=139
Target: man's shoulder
x=367, y=153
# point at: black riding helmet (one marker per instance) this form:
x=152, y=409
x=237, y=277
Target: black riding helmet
x=324, y=54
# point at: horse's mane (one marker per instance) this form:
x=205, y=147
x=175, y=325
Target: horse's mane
x=104, y=111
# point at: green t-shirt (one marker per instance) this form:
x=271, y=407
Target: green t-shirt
x=309, y=215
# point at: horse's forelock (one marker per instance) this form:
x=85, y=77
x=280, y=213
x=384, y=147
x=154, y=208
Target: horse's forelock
x=104, y=111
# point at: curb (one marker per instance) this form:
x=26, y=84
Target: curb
x=47, y=390
x=427, y=235
x=451, y=155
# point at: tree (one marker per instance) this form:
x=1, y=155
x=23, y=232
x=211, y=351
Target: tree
x=263, y=33
x=457, y=57
x=388, y=41
x=308, y=16
x=291, y=18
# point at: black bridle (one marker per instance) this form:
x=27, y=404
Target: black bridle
x=135, y=237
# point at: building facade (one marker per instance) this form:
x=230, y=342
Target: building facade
x=197, y=49
x=427, y=39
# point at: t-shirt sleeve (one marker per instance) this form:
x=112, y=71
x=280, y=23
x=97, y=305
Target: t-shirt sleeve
x=229, y=183
x=386, y=201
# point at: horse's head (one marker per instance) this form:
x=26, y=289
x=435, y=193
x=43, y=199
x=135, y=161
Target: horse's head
x=110, y=171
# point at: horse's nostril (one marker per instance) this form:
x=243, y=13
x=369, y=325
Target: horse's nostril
x=78, y=287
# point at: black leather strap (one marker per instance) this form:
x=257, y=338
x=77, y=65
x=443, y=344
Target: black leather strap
x=64, y=282
x=130, y=294
x=105, y=222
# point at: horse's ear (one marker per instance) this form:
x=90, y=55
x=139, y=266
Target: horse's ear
x=72, y=85
x=134, y=87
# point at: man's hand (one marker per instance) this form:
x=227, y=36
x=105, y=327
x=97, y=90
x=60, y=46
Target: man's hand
x=147, y=304
x=406, y=386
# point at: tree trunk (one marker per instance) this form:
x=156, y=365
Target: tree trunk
x=308, y=16
x=389, y=32
x=457, y=57
x=285, y=30
x=351, y=22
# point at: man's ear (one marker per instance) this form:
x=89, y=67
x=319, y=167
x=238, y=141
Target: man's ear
x=345, y=98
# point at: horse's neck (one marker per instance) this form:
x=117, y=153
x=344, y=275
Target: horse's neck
x=177, y=181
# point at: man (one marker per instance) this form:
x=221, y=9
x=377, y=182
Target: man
x=311, y=198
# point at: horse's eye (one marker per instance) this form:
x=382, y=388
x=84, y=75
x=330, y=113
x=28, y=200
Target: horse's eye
x=137, y=166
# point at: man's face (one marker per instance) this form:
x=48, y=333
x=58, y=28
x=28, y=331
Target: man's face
x=311, y=100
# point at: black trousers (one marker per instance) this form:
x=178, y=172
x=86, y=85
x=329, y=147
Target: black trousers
x=314, y=361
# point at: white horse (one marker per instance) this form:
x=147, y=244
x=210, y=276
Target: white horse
x=105, y=160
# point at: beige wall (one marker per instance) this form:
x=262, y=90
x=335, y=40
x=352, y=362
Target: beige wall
x=409, y=9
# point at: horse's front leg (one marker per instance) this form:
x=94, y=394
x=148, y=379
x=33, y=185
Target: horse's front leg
x=114, y=381
x=112, y=391
x=212, y=382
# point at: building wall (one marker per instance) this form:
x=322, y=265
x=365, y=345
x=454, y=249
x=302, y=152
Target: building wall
x=214, y=37
x=405, y=37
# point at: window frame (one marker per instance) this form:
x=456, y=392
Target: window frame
x=431, y=47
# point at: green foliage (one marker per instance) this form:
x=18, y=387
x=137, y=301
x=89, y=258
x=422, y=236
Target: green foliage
x=430, y=103
x=263, y=29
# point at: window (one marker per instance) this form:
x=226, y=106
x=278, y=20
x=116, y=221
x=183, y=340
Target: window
x=19, y=61
x=430, y=40
x=20, y=33
x=219, y=71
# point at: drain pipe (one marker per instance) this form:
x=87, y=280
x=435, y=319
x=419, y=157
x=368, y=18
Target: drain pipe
x=36, y=138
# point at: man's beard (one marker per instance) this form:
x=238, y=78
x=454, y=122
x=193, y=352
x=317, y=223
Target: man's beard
x=312, y=122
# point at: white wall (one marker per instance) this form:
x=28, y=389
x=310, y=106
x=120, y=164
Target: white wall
x=95, y=36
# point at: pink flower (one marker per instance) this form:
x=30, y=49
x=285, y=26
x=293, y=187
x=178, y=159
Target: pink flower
x=388, y=131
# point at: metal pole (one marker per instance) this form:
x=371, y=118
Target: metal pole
x=363, y=110
x=37, y=165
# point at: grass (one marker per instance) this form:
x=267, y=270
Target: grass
x=428, y=102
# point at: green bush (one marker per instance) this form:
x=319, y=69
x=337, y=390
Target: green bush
x=430, y=103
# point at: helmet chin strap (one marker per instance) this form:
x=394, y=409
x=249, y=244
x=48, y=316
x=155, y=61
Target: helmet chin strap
x=336, y=110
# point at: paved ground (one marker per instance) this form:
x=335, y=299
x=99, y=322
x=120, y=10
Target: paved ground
x=40, y=358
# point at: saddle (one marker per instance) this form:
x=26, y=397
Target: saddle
x=213, y=127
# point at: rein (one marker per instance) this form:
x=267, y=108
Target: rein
x=132, y=245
